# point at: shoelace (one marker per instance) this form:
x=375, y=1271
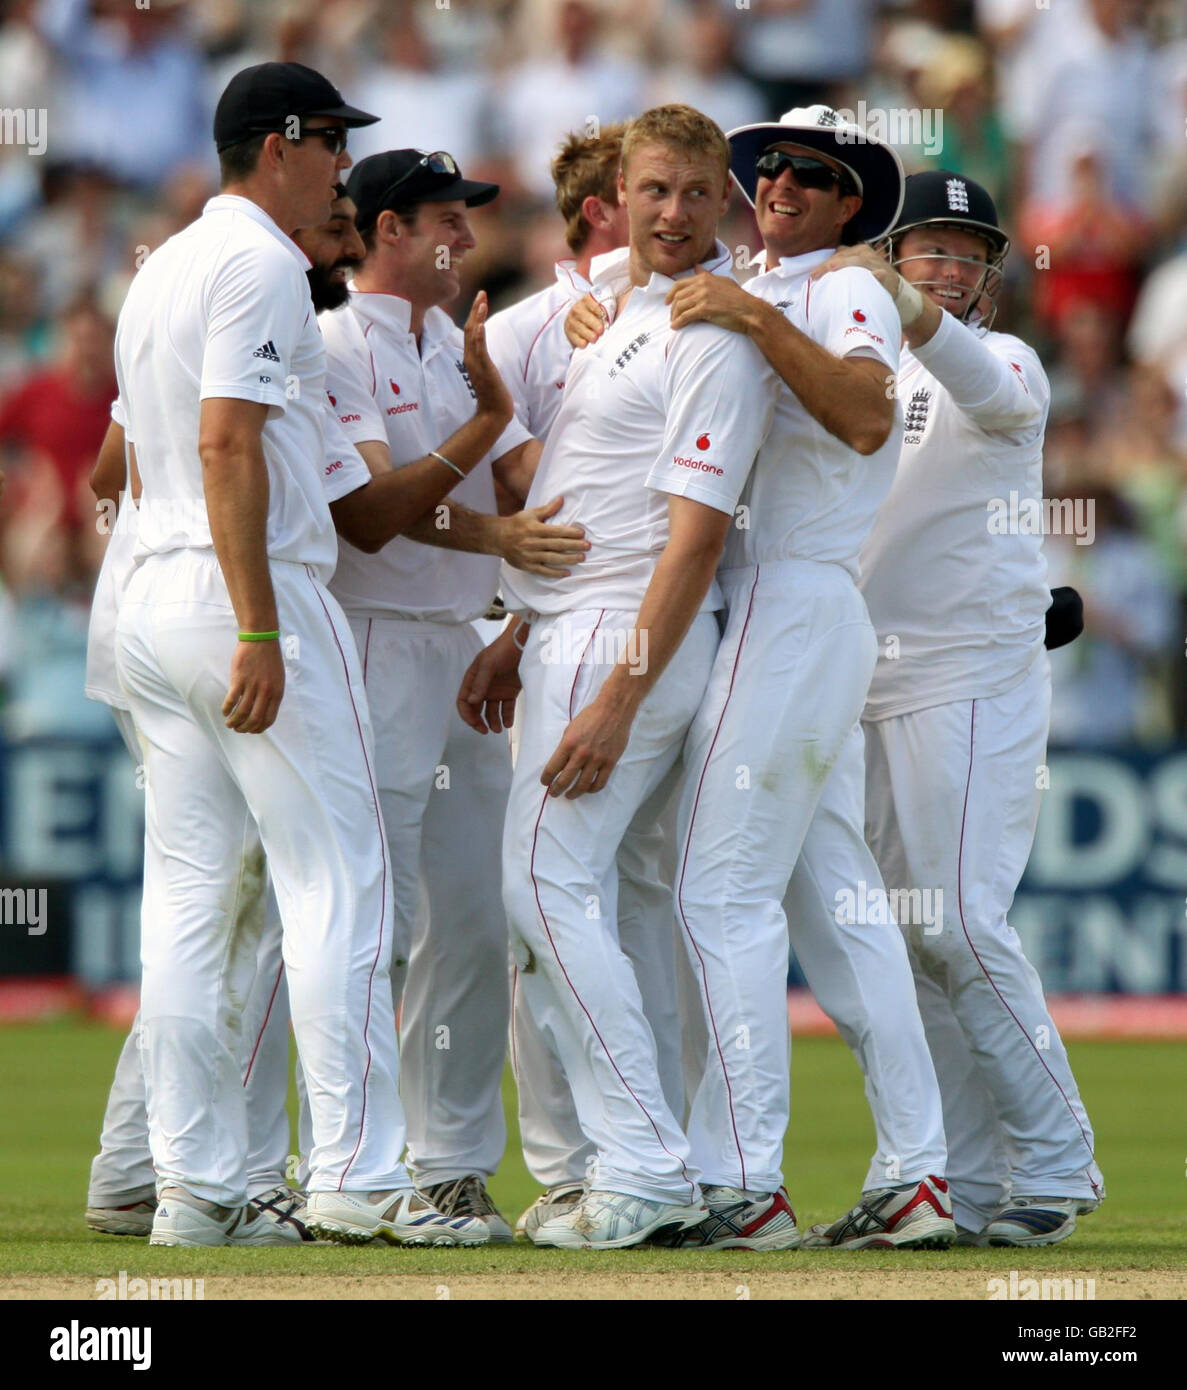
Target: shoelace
x=464, y=1197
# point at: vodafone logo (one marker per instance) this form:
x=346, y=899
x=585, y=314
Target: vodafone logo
x=859, y=317
x=395, y=388
x=333, y=467
x=698, y=466
x=702, y=441
x=333, y=398
x=402, y=409
x=348, y=419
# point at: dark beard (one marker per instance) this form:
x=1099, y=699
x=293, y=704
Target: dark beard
x=326, y=292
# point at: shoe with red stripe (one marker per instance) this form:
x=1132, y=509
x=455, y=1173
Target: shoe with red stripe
x=134, y=1219
x=916, y=1216
x=740, y=1220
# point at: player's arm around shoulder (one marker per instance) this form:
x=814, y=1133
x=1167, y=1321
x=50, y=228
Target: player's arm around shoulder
x=994, y=378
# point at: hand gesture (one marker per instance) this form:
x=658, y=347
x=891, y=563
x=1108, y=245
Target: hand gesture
x=493, y=398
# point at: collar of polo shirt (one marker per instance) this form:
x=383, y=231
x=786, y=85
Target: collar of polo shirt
x=613, y=270
x=792, y=267
x=394, y=313
x=232, y=202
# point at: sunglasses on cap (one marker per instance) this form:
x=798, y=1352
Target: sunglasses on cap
x=439, y=162
x=807, y=172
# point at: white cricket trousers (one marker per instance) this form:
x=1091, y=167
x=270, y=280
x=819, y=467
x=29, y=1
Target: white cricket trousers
x=787, y=688
x=858, y=970
x=443, y=788
x=555, y=1148
x=308, y=783
x=561, y=893
x=122, y=1171
x=951, y=803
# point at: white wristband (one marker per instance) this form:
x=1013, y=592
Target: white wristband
x=442, y=459
x=908, y=301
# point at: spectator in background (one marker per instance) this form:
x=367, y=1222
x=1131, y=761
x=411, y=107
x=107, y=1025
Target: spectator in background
x=1094, y=243
x=53, y=423
x=128, y=95
x=24, y=331
x=1094, y=64
x=799, y=51
x=1088, y=365
x=1158, y=333
x=539, y=102
x=1104, y=688
x=419, y=103
x=958, y=80
x=703, y=74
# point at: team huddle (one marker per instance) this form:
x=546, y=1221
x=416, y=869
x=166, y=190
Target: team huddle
x=765, y=670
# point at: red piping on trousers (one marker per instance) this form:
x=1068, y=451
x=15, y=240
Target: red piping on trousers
x=960, y=904
x=684, y=865
x=556, y=953
x=383, y=886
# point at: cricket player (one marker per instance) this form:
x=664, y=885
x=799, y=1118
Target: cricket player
x=957, y=715
x=221, y=374
x=652, y=445
x=121, y=1198
x=527, y=342
x=401, y=387
x=774, y=770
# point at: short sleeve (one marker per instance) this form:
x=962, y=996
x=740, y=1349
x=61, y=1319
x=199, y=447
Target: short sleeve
x=344, y=470
x=503, y=346
x=350, y=382
x=719, y=396
x=847, y=311
x=257, y=305
x=513, y=436
x=119, y=416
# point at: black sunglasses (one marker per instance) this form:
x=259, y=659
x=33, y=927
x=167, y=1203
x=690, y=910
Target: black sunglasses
x=439, y=162
x=333, y=135
x=808, y=172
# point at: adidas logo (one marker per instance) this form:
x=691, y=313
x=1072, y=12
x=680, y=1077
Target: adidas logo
x=268, y=351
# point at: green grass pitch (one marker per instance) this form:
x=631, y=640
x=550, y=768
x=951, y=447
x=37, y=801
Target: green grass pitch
x=54, y=1084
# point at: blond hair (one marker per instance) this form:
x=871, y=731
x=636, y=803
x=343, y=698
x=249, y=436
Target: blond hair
x=679, y=127
x=586, y=166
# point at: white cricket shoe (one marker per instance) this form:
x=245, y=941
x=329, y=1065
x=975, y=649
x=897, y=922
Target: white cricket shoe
x=915, y=1216
x=558, y=1198
x=739, y=1220
x=468, y=1197
x=183, y=1219
x=1036, y=1220
x=285, y=1207
x=615, y=1220
x=400, y=1217
x=135, y=1219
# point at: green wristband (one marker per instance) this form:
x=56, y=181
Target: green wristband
x=260, y=636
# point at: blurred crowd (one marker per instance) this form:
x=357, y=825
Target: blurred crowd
x=1073, y=113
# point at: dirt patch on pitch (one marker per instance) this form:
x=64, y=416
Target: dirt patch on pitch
x=621, y=1285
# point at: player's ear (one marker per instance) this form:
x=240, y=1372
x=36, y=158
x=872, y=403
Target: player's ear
x=595, y=212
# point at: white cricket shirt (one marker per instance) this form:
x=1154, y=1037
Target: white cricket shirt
x=222, y=309
x=343, y=470
x=963, y=602
x=810, y=496
x=646, y=412
x=528, y=345
x=384, y=387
